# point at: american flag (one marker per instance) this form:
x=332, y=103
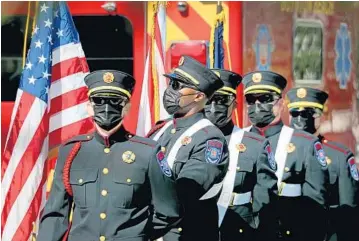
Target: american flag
x=216, y=45
x=50, y=107
x=151, y=107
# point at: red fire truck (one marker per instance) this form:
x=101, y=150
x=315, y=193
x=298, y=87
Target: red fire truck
x=310, y=43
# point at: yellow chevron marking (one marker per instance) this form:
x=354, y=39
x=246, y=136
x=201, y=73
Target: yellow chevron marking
x=207, y=11
x=174, y=33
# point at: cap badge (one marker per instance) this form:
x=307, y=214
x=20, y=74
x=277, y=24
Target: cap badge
x=108, y=77
x=241, y=147
x=257, y=77
x=290, y=147
x=301, y=93
x=128, y=157
x=181, y=60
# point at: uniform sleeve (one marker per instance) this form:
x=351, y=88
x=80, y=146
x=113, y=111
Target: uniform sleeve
x=206, y=166
x=314, y=190
x=265, y=192
x=316, y=174
x=348, y=186
x=55, y=218
x=166, y=208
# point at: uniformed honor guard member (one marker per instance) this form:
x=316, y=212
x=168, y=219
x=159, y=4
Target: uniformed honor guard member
x=302, y=170
x=250, y=186
x=196, y=150
x=120, y=185
x=306, y=106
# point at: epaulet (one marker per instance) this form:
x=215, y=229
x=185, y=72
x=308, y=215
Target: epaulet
x=158, y=125
x=143, y=140
x=80, y=138
x=336, y=146
x=304, y=134
x=254, y=136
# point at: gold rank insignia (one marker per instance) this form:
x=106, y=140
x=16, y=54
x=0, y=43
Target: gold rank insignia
x=181, y=60
x=290, y=147
x=217, y=73
x=128, y=157
x=186, y=140
x=257, y=77
x=108, y=77
x=328, y=160
x=241, y=147
x=301, y=93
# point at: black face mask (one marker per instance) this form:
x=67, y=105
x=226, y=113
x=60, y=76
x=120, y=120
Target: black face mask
x=108, y=111
x=171, y=99
x=217, y=114
x=304, y=123
x=261, y=115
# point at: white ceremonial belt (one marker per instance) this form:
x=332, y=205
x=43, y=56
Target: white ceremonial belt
x=240, y=198
x=290, y=190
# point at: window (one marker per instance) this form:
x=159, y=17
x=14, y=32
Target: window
x=106, y=41
x=12, y=40
x=307, y=52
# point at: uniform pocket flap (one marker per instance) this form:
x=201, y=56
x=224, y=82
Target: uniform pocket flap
x=129, y=179
x=83, y=176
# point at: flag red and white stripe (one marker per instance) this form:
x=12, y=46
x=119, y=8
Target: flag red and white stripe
x=151, y=107
x=36, y=127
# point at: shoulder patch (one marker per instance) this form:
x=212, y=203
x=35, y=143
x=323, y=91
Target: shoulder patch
x=319, y=153
x=271, y=158
x=162, y=161
x=214, y=150
x=80, y=138
x=143, y=140
x=353, y=169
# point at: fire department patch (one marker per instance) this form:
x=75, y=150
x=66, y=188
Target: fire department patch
x=162, y=161
x=271, y=158
x=320, y=154
x=353, y=169
x=214, y=150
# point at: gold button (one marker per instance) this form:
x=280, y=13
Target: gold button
x=102, y=215
x=81, y=180
x=241, y=230
x=104, y=192
x=105, y=171
x=288, y=232
x=88, y=137
x=163, y=149
x=106, y=150
x=102, y=238
x=173, y=131
x=238, y=168
x=129, y=136
x=179, y=229
x=286, y=169
x=128, y=180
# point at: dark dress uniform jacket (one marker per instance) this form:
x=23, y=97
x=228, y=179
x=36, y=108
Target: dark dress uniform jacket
x=194, y=177
x=302, y=217
x=255, y=173
x=343, y=192
x=119, y=192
